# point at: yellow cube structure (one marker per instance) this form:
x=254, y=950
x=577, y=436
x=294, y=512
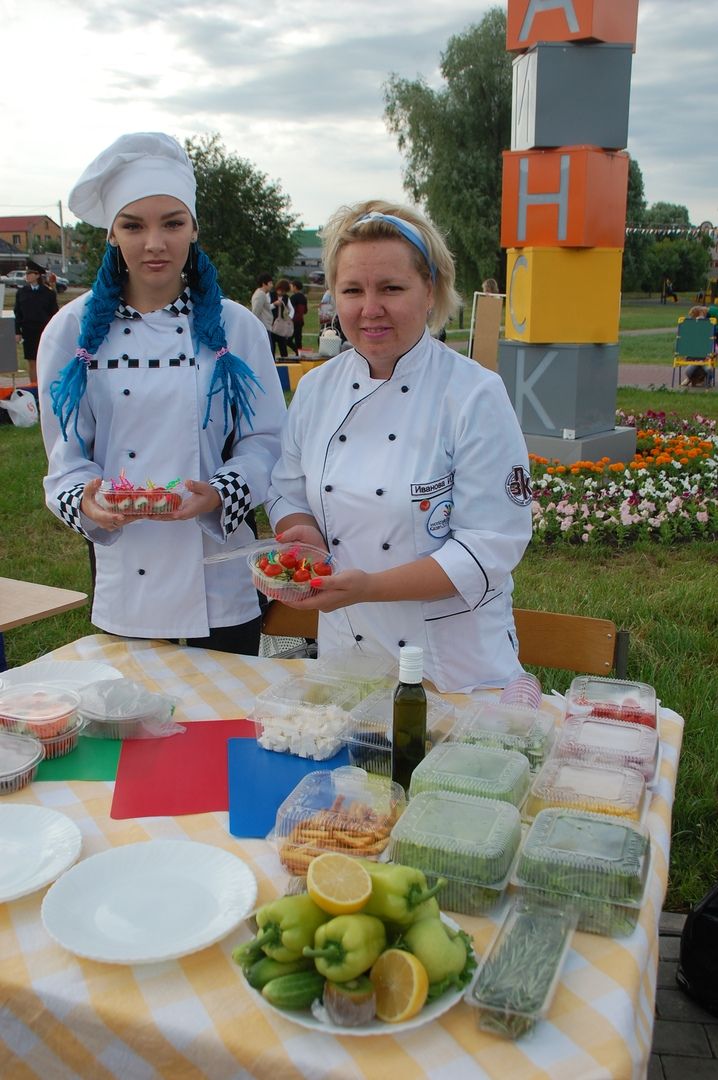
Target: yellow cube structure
x=563, y=295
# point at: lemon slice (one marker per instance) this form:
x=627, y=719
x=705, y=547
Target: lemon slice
x=338, y=884
x=401, y=985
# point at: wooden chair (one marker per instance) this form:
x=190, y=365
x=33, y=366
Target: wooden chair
x=546, y=638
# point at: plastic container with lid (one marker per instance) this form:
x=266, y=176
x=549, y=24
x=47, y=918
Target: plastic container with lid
x=281, y=585
x=139, y=502
x=124, y=709
x=473, y=770
x=613, y=742
x=368, y=735
x=594, y=863
x=470, y=841
x=65, y=743
x=20, y=756
x=508, y=727
x=517, y=977
x=586, y=785
x=366, y=670
x=38, y=710
x=304, y=715
x=342, y=810
x=613, y=699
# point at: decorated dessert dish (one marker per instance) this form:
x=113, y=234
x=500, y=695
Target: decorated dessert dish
x=473, y=770
x=20, y=756
x=593, y=864
x=585, y=785
x=286, y=571
x=344, y=810
x=469, y=841
x=34, y=709
x=364, y=951
x=613, y=699
x=151, y=499
x=517, y=976
x=612, y=742
x=368, y=735
x=303, y=715
x=508, y=727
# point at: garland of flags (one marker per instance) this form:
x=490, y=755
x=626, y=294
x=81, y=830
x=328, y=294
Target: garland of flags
x=664, y=232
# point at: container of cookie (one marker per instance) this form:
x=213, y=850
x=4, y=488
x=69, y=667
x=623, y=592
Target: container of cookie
x=304, y=715
x=344, y=810
x=20, y=756
x=585, y=785
x=37, y=710
x=368, y=736
x=613, y=699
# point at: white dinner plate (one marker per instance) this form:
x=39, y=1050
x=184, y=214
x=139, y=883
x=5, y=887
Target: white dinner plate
x=69, y=674
x=147, y=902
x=36, y=845
x=430, y=1012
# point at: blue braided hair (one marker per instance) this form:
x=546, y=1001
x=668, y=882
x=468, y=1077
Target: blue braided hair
x=231, y=375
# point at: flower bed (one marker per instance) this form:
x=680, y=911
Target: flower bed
x=666, y=493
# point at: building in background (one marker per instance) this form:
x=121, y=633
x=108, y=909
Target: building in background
x=29, y=231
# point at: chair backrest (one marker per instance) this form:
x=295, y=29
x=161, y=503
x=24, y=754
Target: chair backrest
x=546, y=638
x=695, y=338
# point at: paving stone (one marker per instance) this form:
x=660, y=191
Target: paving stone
x=685, y=1068
x=671, y=923
x=712, y=1033
x=680, y=1037
x=655, y=1069
x=667, y=974
x=669, y=948
x=675, y=1005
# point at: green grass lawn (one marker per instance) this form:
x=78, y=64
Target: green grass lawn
x=665, y=597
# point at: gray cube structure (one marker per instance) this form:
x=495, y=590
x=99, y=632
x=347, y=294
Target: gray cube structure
x=8, y=348
x=571, y=95
x=564, y=391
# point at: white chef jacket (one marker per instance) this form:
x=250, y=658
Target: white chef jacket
x=430, y=462
x=143, y=412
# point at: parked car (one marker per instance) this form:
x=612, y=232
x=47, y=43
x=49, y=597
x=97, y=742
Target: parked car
x=16, y=278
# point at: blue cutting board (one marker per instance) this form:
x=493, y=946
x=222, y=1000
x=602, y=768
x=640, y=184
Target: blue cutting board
x=260, y=780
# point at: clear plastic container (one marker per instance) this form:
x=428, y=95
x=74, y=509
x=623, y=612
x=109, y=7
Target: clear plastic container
x=365, y=670
x=472, y=842
x=517, y=977
x=524, y=690
x=37, y=710
x=473, y=770
x=368, y=736
x=612, y=699
x=282, y=586
x=343, y=810
x=613, y=742
x=20, y=756
x=59, y=745
x=508, y=727
x=122, y=709
x=305, y=716
x=585, y=785
x=593, y=863
x=140, y=501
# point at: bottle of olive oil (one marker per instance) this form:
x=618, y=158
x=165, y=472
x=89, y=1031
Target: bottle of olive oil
x=408, y=746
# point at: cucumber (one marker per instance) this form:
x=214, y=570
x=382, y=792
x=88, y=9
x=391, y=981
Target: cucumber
x=296, y=991
x=267, y=969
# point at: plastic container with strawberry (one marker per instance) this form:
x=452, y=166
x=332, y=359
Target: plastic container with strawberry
x=287, y=571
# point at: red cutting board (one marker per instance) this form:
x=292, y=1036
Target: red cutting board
x=181, y=774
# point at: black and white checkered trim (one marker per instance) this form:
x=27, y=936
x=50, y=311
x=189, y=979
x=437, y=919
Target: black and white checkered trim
x=69, y=502
x=181, y=306
x=236, y=500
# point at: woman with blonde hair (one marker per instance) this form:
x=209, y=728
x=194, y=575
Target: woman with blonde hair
x=405, y=460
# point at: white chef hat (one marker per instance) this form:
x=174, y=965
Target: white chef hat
x=135, y=166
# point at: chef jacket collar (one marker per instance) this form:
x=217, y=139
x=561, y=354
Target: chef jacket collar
x=407, y=360
x=181, y=306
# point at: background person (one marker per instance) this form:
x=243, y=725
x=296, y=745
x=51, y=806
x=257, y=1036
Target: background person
x=261, y=304
x=696, y=374
x=282, y=323
x=35, y=305
x=155, y=374
x=406, y=461
x=301, y=307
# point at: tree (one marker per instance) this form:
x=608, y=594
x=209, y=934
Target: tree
x=88, y=247
x=637, y=244
x=665, y=213
x=245, y=221
x=452, y=140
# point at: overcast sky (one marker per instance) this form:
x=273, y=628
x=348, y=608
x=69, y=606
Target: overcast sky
x=297, y=89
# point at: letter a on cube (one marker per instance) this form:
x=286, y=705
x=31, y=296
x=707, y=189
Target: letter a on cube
x=529, y=21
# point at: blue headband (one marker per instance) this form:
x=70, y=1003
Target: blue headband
x=407, y=230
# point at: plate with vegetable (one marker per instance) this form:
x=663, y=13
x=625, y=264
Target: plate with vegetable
x=365, y=951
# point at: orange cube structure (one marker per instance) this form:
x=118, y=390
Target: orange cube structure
x=531, y=21
x=574, y=196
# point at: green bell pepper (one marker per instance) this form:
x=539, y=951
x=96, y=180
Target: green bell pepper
x=347, y=946
x=400, y=894
x=287, y=925
x=442, y=951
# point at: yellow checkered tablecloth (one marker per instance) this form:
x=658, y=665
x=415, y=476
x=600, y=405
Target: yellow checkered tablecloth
x=63, y=1017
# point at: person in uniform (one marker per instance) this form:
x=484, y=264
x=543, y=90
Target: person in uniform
x=153, y=374
x=405, y=460
x=35, y=305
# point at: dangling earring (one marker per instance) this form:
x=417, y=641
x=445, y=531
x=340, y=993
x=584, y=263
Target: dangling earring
x=191, y=262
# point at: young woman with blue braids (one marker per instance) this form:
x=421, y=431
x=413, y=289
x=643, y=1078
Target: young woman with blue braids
x=155, y=375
